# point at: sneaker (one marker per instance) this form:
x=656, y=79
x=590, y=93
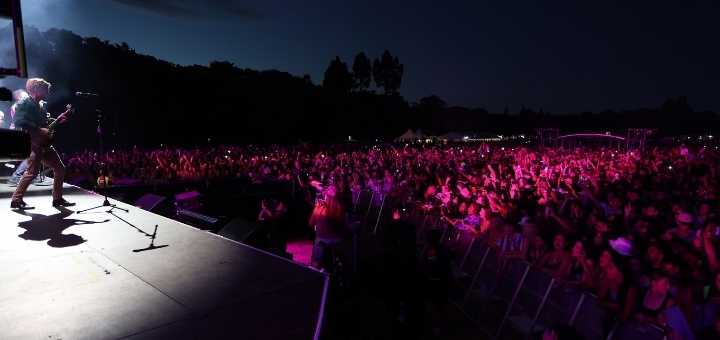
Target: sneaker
x=13, y=181
x=20, y=205
x=62, y=203
x=46, y=182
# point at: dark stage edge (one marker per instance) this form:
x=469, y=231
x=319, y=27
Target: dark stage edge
x=78, y=276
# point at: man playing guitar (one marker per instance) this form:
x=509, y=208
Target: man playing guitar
x=32, y=118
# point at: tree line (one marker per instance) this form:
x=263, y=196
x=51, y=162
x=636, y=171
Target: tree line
x=148, y=101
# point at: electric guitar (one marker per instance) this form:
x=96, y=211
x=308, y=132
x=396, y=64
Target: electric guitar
x=37, y=138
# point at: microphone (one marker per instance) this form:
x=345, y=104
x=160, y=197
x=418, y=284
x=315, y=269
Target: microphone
x=85, y=94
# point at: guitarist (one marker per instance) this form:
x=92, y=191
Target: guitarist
x=31, y=117
x=19, y=95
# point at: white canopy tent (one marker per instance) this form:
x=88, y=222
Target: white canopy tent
x=470, y=136
x=409, y=135
x=451, y=136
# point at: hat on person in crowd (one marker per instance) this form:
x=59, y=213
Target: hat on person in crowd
x=524, y=219
x=622, y=246
x=684, y=218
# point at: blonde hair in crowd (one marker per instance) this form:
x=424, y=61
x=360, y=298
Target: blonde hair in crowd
x=34, y=85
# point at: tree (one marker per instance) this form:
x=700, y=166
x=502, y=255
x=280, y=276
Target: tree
x=224, y=69
x=387, y=73
x=433, y=102
x=337, y=77
x=307, y=79
x=361, y=72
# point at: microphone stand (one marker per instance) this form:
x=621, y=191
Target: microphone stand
x=106, y=203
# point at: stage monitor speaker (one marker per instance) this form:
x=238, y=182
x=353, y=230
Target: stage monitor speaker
x=82, y=182
x=148, y=202
x=188, y=199
x=245, y=232
x=15, y=145
x=128, y=181
x=198, y=220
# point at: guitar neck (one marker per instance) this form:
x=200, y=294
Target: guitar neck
x=57, y=120
x=52, y=125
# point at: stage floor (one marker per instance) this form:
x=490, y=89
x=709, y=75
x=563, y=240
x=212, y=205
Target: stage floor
x=95, y=275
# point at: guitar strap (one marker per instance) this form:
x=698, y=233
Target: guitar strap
x=44, y=150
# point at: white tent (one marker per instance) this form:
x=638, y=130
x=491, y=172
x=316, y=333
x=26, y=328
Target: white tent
x=469, y=136
x=408, y=135
x=451, y=136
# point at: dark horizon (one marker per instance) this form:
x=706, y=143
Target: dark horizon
x=559, y=57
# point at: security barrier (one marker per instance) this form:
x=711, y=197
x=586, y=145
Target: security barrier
x=373, y=209
x=635, y=330
x=510, y=297
x=501, y=297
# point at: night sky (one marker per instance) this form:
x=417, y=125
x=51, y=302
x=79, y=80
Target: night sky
x=560, y=56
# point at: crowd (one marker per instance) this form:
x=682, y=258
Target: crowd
x=640, y=229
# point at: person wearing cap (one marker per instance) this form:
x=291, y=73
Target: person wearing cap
x=684, y=230
x=622, y=246
x=618, y=290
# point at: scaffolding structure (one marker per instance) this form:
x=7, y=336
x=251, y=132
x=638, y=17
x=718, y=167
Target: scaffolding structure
x=637, y=137
x=548, y=137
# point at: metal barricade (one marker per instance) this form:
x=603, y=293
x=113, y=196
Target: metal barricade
x=440, y=225
x=525, y=310
x=634, y=330
x=518, y=299
x=465, y=275
x=355, y=197
x=509, y=290
x=429, y=222
x=361, y=203
x=559, y=307
x=483, y=300
x=463, y=242
x=384, y=214
x=588, y=319
x=373, y=209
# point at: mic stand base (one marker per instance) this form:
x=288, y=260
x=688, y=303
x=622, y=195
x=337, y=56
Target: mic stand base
x=105, y=204
x=105, y=173
x=152, y=242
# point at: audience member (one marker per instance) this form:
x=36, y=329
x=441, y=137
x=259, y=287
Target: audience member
x=692, y=313
x=653, y=209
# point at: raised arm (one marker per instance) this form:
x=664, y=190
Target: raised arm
x=710, y=251
x=561, y=221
